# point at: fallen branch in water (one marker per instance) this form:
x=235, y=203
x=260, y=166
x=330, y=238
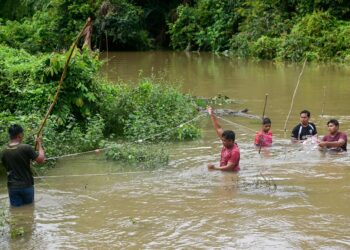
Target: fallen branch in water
x=231, y=112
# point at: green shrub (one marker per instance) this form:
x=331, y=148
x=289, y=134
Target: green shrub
x=266, y=47
x=147, y=109
x=263, y=18
x=314, y=25
x=206, y=26
x=143, y=156
x=28, y=83
x=240, y=46
x=294, y=48
x=122, y=22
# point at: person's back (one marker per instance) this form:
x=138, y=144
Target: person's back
x=16, y=158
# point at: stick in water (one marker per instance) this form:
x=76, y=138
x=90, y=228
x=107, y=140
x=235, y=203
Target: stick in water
x=263, y=116
x=292, y=102
x=324, y=100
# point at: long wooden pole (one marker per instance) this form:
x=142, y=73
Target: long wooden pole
x=324, y=100
x=263, y=116
x=295, y=91
x=74, y=45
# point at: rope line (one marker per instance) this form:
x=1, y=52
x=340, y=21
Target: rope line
x=87, y=175
x=236, y=124
x=137, y=141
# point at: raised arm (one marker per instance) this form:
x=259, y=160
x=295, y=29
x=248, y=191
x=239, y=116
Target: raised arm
x=214, y=120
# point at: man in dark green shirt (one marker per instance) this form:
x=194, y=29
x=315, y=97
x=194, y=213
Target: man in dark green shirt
x=16, y=158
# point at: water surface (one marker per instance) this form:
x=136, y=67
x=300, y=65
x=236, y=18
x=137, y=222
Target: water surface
x=287, y=197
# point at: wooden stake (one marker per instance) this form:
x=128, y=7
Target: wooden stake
x=324, y=100
x=263, y=116
x=294, y=94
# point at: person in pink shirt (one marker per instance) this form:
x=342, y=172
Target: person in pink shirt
x=263, y=138
x=335, y=140
x=230, y=154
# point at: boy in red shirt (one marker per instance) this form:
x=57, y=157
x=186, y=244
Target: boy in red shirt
x=263, y=138
x=230, y=154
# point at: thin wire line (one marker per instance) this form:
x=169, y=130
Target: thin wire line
x=87, y=175
x=137, y=141
x=236, y=124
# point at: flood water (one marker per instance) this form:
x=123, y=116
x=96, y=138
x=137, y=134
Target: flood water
x=287, y=197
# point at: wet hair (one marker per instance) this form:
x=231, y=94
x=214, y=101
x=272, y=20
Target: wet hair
x=229, y=135
x=333, y=121
x=266, y=121
x=14, y=130
x=307, y=112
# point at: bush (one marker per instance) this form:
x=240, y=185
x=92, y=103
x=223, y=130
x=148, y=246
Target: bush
x=149, y=109
x=122, y=21
x=206, y=26
x=266, y=47
x=314, y=25
x=240, y=46
x=318, y=36
x=143, y=156
x=28, y=83
x=264, y=18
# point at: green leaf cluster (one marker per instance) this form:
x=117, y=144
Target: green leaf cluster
x=270, y=29
x=144, y=156
x=206, y=26
x=149, y=108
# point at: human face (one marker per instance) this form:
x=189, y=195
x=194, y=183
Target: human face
x=304, y=119
x=332, y=128
x=266, y=128
x=227, y=143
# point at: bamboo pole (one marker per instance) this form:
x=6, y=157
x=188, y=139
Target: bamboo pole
x=263, y=116
x=73, y=46
x=294, y=94
x=324, y=100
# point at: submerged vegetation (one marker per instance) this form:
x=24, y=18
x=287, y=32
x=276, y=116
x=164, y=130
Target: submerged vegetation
x=142, y=156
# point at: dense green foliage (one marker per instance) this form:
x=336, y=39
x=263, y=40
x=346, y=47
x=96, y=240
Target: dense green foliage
x=207, y=26
x=28, y=83
x=121, y=23
x=280, y=30
x=53, y=28
x=265, y=29
x=148, y=109
x=88, y=109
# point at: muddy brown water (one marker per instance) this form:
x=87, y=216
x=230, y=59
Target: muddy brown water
x=288, y=197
